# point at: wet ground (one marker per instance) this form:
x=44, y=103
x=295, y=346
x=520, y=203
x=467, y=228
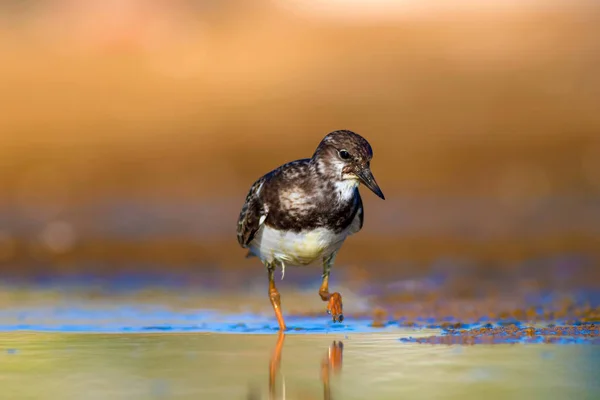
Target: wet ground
x=170, y=341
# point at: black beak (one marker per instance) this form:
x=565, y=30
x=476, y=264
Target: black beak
x=366, y=176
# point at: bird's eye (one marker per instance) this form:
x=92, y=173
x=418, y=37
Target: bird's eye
x=344, y=154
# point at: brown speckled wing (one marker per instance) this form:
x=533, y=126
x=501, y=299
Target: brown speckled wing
x=252, y=211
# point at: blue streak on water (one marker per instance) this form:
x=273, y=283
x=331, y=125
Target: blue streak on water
x=132, y=319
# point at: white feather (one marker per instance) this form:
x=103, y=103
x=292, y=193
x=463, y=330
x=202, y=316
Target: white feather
x=296, y=248
x=346, y=188
x=259, y=188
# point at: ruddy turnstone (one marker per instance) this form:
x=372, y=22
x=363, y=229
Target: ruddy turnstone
x=301, y=212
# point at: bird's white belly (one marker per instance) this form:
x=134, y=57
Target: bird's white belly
x=296, y=248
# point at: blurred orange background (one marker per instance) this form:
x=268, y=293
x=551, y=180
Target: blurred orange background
x=130, y=131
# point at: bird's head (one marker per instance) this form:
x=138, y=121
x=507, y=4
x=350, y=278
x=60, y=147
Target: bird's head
x=346, y=156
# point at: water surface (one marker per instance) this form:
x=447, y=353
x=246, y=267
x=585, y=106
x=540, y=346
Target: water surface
x=225, y=366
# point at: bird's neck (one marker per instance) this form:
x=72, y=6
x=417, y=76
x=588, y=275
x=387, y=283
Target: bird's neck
x=332, y=185
x=326, y=167
x=345, y=190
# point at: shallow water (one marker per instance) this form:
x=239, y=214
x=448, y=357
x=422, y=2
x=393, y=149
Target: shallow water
x=224, y=366
x=73, y=341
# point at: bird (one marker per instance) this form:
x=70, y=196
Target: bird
x=300, y=213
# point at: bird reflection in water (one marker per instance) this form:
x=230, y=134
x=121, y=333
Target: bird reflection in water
x=331, y=364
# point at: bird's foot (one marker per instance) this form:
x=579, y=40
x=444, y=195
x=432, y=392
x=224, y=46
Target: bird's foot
x=334, y=307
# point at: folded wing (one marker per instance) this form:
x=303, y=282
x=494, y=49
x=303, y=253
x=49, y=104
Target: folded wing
x=252, y=215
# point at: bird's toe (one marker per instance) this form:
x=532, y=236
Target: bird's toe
x=334, y=307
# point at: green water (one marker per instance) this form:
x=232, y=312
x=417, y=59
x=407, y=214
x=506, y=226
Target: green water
x=212, y=366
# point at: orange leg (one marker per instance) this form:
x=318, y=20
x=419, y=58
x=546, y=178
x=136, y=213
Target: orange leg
x=275, y=297
x=331, y=362
x=274, y=364
x=334, y=305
